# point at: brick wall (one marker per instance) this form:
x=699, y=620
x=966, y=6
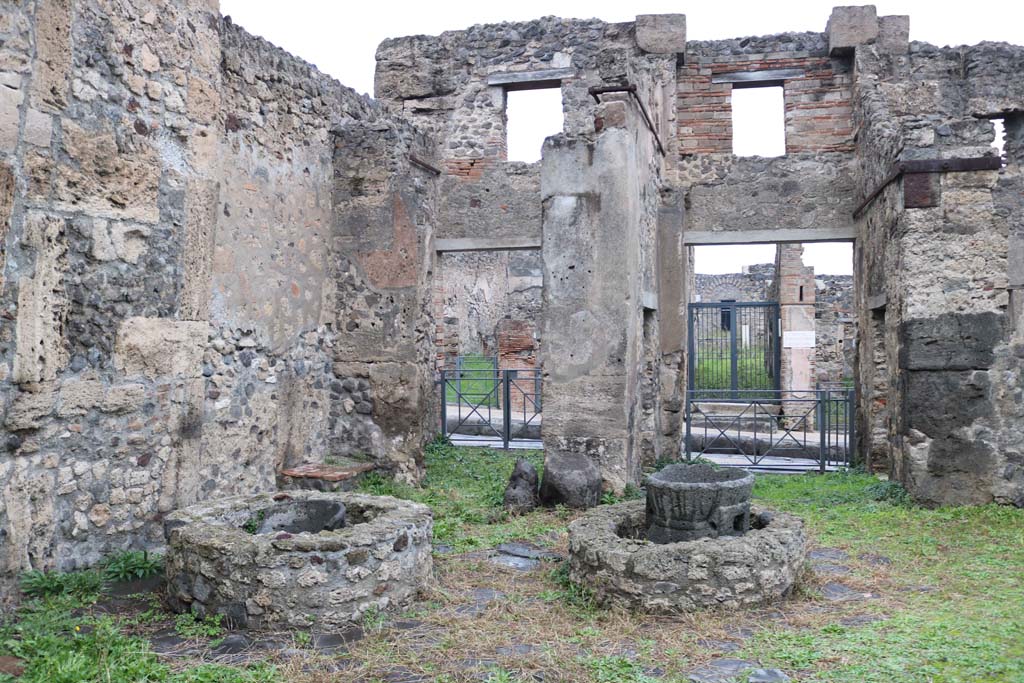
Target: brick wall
x=818, y=105
x=517, y=349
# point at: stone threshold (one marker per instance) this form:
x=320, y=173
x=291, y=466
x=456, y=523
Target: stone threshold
x=323, y=477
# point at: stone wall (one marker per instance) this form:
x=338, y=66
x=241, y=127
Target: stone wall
x=171, y=304
x=835, y=328
x=937, y=275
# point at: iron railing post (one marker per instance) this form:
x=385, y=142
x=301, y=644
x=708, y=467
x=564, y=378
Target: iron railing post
x=850, y=425
x=689, y=421
x=506, y=407
x=444, y=405
x=822, y=430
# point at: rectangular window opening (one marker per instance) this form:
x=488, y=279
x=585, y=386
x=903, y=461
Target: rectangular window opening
x=1000, y=139
x=531, y=116
x=758, y=121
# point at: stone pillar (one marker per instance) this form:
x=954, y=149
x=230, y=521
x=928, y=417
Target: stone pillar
x=596, y=228
x=674, y=273
x=383, y=246
x=796, y=309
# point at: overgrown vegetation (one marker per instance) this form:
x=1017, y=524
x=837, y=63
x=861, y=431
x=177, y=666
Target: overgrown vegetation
x=465, y=487
x=132, y=564
x=84, y=586
x=188, y=625
x=59, y=641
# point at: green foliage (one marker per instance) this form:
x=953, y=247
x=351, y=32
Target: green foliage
x=253, y=524
x=716, y=373
x=616, y=669
x=478, y=385
x=84, y=585
x=631, y=492
x=374, y=619
x=465, y=488
x=132, y=564
x=188, y=626
x=889, y=492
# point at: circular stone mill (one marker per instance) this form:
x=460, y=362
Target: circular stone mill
x=696, y=542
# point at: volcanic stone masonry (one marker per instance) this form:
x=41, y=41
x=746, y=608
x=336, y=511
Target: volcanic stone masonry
x=217, y=262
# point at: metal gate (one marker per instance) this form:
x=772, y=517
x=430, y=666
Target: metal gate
x=482, y=405
x=734, y=347
x=771, y=430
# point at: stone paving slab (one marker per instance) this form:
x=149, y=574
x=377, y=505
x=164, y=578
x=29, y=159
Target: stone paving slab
x=840, y=592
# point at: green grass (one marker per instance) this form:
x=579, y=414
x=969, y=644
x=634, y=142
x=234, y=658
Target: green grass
x=60, y=642
x=464, y=487
x=716, y=373
x=477, y=384
x=956, y=593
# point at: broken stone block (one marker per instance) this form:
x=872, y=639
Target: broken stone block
x=894, y=34
x=10, y=100
x=521, y=492
x=570, y=479
x=849, y=27
x=661, y=33
x=29, y=408
x=40, y=347
x=156, y=347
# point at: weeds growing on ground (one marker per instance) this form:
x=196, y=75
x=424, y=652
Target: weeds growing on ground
x=132, y=564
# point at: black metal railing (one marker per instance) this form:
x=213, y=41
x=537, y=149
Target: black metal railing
x=815, y=424
x=500, y=404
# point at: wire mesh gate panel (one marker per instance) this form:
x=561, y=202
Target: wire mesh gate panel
x=481, y=404
x=734, y=346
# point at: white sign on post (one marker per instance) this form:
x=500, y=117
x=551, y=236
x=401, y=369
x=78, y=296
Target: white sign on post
x=798, y=339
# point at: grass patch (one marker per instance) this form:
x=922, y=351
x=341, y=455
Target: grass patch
x=60, y=642
x=465, y=487
x=475, y=385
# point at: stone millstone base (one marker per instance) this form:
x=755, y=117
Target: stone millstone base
x=266, y=560
x=608, y=554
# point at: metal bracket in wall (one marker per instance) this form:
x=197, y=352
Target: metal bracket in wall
x=416, y=161
x=597, y=91
x=917, y=166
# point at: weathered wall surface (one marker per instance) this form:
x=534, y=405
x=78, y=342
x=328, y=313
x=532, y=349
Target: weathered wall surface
x=478, y=290
x=835, y=328
x=384, y=215
x=937, y=272
x=170, y=324
x=809, y=188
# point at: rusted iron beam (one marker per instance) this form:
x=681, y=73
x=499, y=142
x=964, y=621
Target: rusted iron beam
x=416, y=161
x=915, y=166
x=597, y=91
